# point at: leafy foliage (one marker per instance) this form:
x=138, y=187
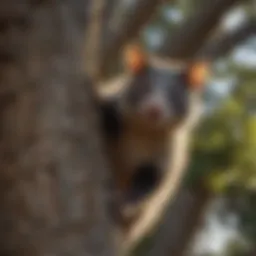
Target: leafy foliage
x=224, y=153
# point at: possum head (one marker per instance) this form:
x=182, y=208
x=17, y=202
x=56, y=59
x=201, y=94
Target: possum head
x=159, y=94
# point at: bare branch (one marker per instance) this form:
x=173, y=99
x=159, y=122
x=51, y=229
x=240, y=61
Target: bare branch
x=190, y=36
x=224, y=43
x=125, y=28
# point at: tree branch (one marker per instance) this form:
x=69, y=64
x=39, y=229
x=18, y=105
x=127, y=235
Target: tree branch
x=123, y=29
x=184, y=215
x=156, y=205
x=224, y=43
x=190, y=36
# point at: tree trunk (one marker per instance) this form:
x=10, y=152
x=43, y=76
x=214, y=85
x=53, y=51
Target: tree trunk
x=53, y=196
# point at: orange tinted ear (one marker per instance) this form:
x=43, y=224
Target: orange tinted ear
x=197, y=74
x=135, y=58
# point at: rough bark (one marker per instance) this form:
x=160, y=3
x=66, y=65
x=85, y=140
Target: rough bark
x=53, y=196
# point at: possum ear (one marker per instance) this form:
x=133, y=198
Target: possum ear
x=197, y=74
x=135, y=59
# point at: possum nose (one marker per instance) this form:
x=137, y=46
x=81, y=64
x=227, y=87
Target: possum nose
x=154, y=112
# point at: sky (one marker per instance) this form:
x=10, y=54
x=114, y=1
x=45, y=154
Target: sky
x=215, y=233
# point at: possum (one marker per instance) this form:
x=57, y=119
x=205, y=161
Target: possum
x=152, y=100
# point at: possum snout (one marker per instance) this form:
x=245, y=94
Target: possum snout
x=154, y=112
x=156, y=108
